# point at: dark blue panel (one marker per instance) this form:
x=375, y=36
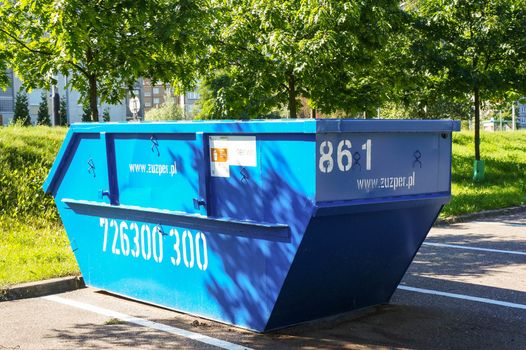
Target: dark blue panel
x=347, y=262
x=373, y=165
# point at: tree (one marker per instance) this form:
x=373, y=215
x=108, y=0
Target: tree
x=103, y=46
x=4, y=60
x=472, y=47
x=271, y=52
x=87, y=116
x=63, y=111
x=43, y=117
x=21, y=115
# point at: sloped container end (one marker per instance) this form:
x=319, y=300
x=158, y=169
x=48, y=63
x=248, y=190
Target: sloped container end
x=259, y=224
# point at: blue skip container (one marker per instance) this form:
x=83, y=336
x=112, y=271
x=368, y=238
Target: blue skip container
x=259, y=224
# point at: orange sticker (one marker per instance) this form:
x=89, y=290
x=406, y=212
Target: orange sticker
x=219, y=155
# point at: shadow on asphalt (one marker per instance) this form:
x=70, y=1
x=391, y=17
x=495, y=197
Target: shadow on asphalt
x=458, y=262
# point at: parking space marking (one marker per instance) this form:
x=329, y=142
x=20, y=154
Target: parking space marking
x=474, y=248
x=146, y=323
x=463, y=296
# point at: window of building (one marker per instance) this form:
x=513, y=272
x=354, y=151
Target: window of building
x=147, y=93
x=156, y=101
x=147, y=104
x=156, y=91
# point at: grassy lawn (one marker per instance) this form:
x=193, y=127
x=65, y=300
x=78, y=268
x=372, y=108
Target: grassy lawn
x=34, y=246
x=505, y=181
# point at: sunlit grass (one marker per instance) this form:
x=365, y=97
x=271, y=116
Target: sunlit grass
x=33, y=250
x=505, y=182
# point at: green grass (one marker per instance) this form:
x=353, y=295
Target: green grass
x=505, y=180
x=34, y=246
x=33, y=250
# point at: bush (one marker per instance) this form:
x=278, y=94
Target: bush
x=167, y=111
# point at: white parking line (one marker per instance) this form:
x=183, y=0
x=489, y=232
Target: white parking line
x=464, y=297
x=474, y=248
x=146, y=323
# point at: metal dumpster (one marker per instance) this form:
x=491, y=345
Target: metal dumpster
x=260, y=224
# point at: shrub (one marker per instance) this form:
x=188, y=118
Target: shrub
x=167, y=111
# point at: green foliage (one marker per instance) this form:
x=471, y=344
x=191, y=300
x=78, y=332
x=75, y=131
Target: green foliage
x=43, y=111
x=436, y=108
x=106, y=115
x=21, y=115
x=102, y=46
x=224, y=98
x=167, y=111
x=63, y=111
x=474, y=48
x=270, y=53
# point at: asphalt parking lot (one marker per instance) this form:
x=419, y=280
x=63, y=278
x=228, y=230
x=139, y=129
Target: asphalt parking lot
x=466, y=289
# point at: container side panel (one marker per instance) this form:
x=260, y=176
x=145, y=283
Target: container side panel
x=233, y=276
x=348, y=262
x=373, y=165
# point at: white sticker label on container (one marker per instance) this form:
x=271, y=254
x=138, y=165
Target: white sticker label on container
x=231, y=150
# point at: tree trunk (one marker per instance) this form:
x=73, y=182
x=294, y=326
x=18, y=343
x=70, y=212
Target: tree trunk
x=292, y=96
x=93, y=98
x=92, y=82
x=476, y=95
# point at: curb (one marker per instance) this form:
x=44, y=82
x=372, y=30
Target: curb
x=41, y=288
x=479, y=215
